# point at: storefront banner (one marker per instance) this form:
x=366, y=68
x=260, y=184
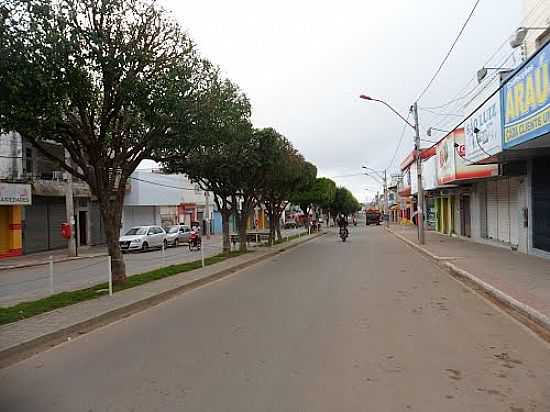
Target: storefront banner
x=452, y=165
x=464, y=169
x=486, y=121
x=15, y=194
x=445, y=155
x=526, y=101
x=429, y=173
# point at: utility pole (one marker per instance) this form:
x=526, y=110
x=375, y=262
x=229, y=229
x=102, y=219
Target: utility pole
x=69, y=205
x=387, y=210
x=420, y=205
x=207, y=213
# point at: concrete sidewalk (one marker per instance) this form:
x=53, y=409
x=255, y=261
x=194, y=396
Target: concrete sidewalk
x=524, y=278
x=42, y=258
x=23, y=338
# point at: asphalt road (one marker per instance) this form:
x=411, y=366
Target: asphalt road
x=369, y=325
x=19, y=285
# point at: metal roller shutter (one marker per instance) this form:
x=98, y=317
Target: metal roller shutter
x=541, y=204
x=514, y=210
x=35, y=233
x=503, y=199
x=492, y=210
x=57, y=215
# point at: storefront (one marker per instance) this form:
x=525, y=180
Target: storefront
x=455, y=178
x=525, y=100
x=12, y=199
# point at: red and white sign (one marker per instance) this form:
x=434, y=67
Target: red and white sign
x=452, y=164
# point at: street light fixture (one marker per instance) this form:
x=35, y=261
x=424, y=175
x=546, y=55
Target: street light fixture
x=429, y=130
x=415, y=126
x=519, y=35
x=482, y=73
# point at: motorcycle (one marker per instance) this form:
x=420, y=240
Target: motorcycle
x=344, y=233
x=195, y=241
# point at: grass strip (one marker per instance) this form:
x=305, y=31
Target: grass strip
x=284, y=239
x=26, y=310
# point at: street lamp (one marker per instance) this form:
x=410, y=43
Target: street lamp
x=415, y=126
x=482, y=73
x=519, y=35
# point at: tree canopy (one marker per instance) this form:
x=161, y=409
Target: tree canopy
x=109, y=80
x=344, y=202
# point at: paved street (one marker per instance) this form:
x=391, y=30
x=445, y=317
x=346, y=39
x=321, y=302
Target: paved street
x=17, y=285
x=369, y=325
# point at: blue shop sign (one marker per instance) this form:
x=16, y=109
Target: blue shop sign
x=526, y=101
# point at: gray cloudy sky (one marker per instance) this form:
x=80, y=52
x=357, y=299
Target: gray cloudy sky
x=304, y=63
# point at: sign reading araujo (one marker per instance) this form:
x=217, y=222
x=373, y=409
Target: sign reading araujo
x=487, y=120
x=526, y=101
x=15, y=194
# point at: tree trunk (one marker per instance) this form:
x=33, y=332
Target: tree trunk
x=112, y=214
x=278, y=227
x=241, y=221
x=271, y=238
x=226, y=214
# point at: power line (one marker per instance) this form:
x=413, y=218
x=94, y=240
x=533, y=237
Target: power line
x=161, y=184
x=445, y=122
x=441, y=114
x=449, y=52
x=499, y=88
x=488, y=60
x=400, y=141
x=342, y=176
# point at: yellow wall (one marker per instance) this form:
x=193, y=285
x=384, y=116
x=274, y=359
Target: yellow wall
x=4, y=232
x=10, y=231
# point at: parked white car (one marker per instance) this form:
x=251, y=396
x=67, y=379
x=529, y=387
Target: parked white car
x=143, y=238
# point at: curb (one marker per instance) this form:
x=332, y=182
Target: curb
x=514, y=305
x=65, y=259
x=33, y=346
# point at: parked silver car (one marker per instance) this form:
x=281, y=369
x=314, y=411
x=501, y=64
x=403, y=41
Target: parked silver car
x=178, y=234
x=143, y=238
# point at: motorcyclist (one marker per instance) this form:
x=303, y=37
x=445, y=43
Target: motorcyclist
x=343, y=223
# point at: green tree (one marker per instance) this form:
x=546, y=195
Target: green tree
x=109, y=80
x=284, y=173
x=319, y=193
x=344, y=203
x=219, y=140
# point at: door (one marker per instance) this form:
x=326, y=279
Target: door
x=515, y=210
x=35, y=226
x=83, y=227
x=503, y=197
x=465, y=217
x=541, y=204
x=57, y=214
x=492, y=210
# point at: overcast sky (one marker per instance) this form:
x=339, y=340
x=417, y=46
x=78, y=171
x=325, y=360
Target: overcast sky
x=304, y=63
